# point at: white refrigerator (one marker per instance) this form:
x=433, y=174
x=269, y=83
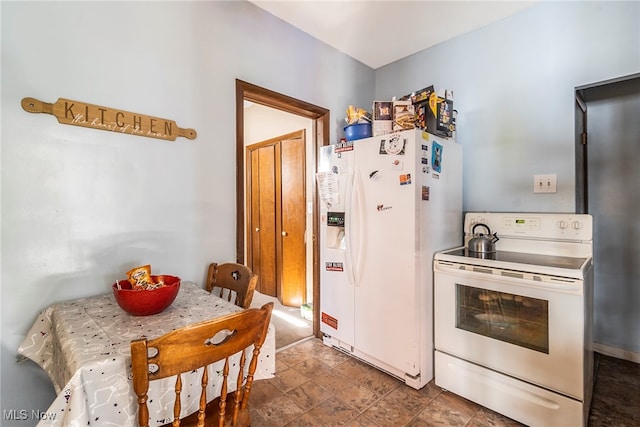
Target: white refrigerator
x=388, y=203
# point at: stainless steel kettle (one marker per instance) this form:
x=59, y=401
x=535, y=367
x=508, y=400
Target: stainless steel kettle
x=482, y=243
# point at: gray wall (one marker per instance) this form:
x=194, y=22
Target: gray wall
x=82, y=206
x=513, y=85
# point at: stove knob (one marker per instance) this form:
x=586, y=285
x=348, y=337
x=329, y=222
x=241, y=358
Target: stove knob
x=562, y=225
x=577, y=225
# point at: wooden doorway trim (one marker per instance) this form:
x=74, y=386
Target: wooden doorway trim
x=320, y=137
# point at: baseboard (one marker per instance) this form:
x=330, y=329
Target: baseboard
x=618, y=353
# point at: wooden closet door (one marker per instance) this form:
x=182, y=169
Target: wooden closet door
x=264, y=197
x=293, y=223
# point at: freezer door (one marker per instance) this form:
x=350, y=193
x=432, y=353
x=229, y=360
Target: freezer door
x=383, y=237
x=336, y=283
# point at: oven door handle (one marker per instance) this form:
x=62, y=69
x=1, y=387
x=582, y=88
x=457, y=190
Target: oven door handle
x=532, y=280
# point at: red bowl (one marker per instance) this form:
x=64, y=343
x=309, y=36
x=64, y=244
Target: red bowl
x=146, y=302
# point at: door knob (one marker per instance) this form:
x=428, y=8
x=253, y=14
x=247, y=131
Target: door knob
x=257, y=229
x=284, y=234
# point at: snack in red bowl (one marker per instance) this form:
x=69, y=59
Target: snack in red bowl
x=145, y=302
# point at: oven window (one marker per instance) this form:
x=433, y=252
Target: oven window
x=511, y=318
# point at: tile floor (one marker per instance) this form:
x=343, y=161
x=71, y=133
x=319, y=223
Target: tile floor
x=319, y=386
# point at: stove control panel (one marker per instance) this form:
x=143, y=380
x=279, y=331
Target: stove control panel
x=552, y=226
x=521, y=223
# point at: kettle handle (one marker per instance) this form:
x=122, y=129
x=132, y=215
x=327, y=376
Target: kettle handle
x=473, y=229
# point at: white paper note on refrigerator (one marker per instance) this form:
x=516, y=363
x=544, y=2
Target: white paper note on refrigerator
x=328, y=187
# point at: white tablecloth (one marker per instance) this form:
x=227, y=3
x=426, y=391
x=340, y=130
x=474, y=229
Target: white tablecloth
x=83, y=345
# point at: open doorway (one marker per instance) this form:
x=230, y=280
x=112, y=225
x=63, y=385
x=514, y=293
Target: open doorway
x=607, y=154
x=318, y=137
x=277, y=218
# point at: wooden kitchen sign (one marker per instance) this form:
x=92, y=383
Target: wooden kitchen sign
x=78, y=113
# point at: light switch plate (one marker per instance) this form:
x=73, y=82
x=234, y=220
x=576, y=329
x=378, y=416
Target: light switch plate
x=544, y=183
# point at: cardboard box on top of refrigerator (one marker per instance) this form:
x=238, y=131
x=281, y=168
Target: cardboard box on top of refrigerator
x=434, y=111
x=420, y=100
x=393, y=116
x=445, y=123
x=404, y=116
x=382, y=112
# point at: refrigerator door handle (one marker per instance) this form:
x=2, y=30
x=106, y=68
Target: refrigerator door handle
x=356, y=252
x=348, y=204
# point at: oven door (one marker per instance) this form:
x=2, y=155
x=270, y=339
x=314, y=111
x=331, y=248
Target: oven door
x=529, y=327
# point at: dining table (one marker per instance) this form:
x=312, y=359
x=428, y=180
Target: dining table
x=84, y=347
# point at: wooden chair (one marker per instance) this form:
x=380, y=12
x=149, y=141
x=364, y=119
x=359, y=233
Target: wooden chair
x=232, y=280
x=199, y=345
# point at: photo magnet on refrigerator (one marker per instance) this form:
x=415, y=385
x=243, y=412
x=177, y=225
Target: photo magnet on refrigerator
x=329, y=320
x=393, y=145
x=425, y=192
x=436, y=160
x=334, y=266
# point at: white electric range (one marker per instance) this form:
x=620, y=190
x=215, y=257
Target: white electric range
x=513, y=328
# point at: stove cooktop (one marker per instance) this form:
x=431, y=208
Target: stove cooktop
x=551, y=261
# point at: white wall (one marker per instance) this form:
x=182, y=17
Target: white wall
x=82, y=206
x=513, y=85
